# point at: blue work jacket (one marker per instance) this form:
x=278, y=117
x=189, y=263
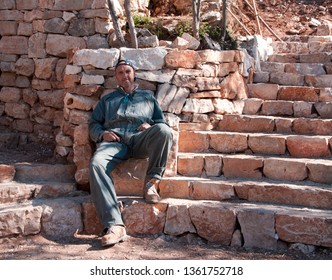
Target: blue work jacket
x=123, y=113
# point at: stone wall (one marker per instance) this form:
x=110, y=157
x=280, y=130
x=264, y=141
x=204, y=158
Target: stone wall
x=36, y=37
x=193, y=87
x=57, y=58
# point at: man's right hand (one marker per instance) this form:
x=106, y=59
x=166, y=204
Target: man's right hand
x=110, y=136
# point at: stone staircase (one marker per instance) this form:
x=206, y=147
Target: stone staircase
x=257, y=179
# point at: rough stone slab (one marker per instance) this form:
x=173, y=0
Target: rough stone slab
x=257, y=226
x=287, y=194
x=277, y=108
x=18, y=192
x=322, y=81
x=7, y=173
x=192, y=141
x=252, y=106
x=178, y=220
x=242, y=167
x=324, y=109
x=28, y=172
x=305, y=68
x=267, y=144
x=299, y=93
x=23, y=220
x=14, y=45
x=228, y=142
x=246, y=123
x=315, y=58
x=61, y=217
x=263, y=91
x=290, y=79
x=285, y=169
x=175, y=187
x=102, y=58
x=212, y=190
x=191, y=165
x=320, y=171
x=213, y=222
x=142, y=218
x=213, y=165
x=312, y=126
x=305, y=228
x=306, y=146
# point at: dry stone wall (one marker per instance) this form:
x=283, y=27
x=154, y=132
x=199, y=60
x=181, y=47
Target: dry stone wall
x=57, y=59
x=35, y=39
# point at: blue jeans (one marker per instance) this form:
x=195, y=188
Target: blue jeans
x=153, y=143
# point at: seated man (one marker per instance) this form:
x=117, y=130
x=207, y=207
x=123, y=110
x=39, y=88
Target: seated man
x=126, y=123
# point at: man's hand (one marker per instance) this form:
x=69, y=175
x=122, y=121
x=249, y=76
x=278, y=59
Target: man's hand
x=143, y=126
x=110, y=136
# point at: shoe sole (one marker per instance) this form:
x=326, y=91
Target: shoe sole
x=113, y=242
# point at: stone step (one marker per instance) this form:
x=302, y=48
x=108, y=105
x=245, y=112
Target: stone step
x=266, y=91
x=255, y=167
x=40, y=172
x=296, y=68
x=255, y=143
x=309, y=38
x=312, y=46
x=295, y=109
x=293, y=79
x=306, y=194
x=320, y=57
x=20, y=192
x=228, y=223
x=57, y=217
x=272, y=124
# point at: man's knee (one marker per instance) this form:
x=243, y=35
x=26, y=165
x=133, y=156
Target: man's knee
x=164, y=129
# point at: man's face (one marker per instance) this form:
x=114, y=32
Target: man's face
x=125, y=75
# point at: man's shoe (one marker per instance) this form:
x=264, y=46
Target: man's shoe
x=114, y=234
x=150, y=191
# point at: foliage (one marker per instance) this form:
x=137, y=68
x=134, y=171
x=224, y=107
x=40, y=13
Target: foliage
x=154, y=26
x=185, y=26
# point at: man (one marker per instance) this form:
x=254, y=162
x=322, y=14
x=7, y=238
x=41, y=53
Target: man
x=126, y=123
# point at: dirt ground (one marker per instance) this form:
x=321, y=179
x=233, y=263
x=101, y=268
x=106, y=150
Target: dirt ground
x=162, y=247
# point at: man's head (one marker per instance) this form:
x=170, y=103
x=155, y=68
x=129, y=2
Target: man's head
x=124, y=62
x=125, y=75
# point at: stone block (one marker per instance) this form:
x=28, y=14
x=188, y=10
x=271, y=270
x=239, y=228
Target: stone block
x=285, y=169
x=258, y=229
x=61, y=217
x=7, y=173
x=306, y=146
x=212, y=190
x=214, y=223
x=142, y=218
x=242, y=167
x=267, y=144
x=192, y=141
x=263, y=91
x=178, y=220
x=228, y=142
x=305, y=228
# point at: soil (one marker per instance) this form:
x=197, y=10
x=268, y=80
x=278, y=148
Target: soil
x=282, y=17
x=162, y=247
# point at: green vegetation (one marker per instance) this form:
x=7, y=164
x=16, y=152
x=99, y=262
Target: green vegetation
x=205, y=29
